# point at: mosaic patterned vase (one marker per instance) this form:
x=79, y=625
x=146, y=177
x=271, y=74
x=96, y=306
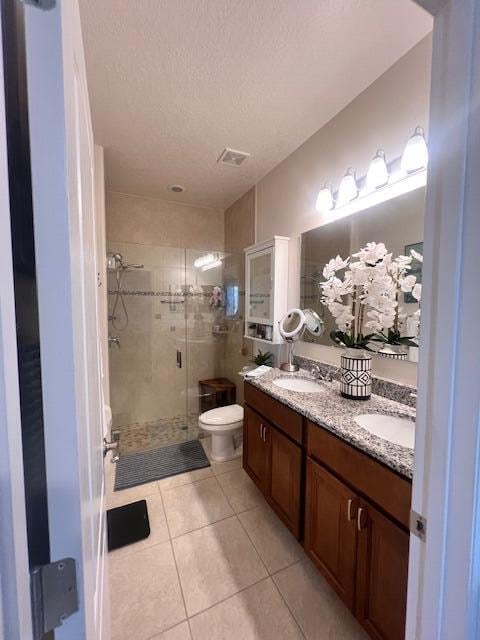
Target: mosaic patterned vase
x=356, y=374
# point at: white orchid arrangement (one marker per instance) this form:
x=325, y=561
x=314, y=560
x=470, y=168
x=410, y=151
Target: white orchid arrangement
x=367, y=296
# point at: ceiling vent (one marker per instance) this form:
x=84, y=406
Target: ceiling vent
x=232, y=157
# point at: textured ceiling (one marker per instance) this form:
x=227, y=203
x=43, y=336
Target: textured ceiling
x=173, y=82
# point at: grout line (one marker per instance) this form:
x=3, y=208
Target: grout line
x=286, y=603
x=185, y=484
x=204, y=526
x=270, y=575
x=175, y=561
x=232, y=595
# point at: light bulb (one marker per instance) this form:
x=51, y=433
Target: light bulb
x=324, y=199
x=212, y=265
x=348, y=189
x=415, y=155
x=377, y=174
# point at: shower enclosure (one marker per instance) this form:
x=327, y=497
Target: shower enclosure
x=175, y=319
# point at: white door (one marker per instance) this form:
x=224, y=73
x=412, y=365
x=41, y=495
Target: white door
x=62, y=154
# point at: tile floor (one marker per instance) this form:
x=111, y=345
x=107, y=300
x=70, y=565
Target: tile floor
x=218, y=565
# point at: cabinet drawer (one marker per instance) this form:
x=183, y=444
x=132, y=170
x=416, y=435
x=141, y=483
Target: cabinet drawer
x=384, y=487
x=276, y=412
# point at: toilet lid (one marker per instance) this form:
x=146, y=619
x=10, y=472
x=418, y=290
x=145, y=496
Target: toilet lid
x=223, y=415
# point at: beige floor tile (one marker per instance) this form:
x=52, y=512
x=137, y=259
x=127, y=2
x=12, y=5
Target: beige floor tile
x=145, y=593
x=317, y=608
x=258, y=613
x=180, y=632
x=195, y=505
x=273, y=541
x=184, y=478
x=215, y=562
x=118, y=498
x=220, y=467
x=240, y=490
x=158, y=528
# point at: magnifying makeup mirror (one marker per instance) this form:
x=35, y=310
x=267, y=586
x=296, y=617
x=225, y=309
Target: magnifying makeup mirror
x=291, y=327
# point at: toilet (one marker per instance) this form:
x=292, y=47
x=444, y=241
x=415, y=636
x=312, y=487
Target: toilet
x=225, y=425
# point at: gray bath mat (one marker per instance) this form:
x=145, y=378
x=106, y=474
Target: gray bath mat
x=138, y=468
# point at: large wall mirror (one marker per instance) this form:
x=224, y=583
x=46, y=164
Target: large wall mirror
x=398, y=223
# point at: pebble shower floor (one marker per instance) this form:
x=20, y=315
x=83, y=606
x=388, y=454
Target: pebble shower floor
x=142, y=436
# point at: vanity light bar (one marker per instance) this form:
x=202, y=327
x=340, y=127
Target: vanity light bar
x=379, y=185
x=396, y=186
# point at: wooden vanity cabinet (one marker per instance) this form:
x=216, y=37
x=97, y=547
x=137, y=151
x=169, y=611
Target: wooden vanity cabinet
x=274, y=462
x=355, y=510
x=382, y=574
x=283, y=478
x=331, y=529
x=254, y=447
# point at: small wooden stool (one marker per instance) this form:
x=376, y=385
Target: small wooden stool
x=216, y=392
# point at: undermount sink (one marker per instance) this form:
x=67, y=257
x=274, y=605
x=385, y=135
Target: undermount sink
x=397, y=430
x=298, y=384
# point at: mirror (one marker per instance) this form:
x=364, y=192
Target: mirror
x=292, y=324
x=313, y=323
x=260, y=270
x=398, y=223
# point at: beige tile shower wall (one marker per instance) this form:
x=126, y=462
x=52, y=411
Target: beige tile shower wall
x=239, y=233
x=163, y=223
x=145, y=383
x=383, y=116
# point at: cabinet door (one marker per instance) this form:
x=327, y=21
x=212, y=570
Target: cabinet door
x=259, y=287
x=331, y=530
x=284, y=475
x=381, y=574
x=254, y=447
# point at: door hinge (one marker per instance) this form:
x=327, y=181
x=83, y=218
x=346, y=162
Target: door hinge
x=418, y=525
x=41, y=4
x=54, y=595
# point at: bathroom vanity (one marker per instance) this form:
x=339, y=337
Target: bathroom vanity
x=343, y=492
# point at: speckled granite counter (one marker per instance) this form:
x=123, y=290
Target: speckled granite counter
x=336, y=414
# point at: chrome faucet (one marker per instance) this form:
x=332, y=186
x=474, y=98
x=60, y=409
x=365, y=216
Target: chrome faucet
x=316, y=373
x=113, y=340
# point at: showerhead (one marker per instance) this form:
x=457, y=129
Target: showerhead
x=116, y=263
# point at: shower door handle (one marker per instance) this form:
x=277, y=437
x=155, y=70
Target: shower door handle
x=179, y=359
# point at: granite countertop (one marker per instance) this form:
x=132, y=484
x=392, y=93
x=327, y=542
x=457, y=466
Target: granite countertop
x=336, y=414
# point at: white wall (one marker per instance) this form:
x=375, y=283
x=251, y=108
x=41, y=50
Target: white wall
x=383, y=116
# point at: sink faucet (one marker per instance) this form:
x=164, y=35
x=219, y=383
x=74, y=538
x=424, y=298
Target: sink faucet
x=316, y=373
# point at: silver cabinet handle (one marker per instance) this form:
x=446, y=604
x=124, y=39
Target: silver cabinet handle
x=359, y=518
x=179, y=359
x=349, y=509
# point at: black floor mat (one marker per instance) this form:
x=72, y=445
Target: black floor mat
x=127, y=524
x=145, y=466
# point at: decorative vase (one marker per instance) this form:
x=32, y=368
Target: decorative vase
x=356, y=374
x=397, y=352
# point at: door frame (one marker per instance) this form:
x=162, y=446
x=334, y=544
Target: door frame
x=444, y=571
x=15, y=617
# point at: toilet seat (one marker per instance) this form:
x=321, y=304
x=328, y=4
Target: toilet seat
x=222, y=419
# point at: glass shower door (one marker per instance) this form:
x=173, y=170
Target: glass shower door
x=148, y=379
x=215, y=303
